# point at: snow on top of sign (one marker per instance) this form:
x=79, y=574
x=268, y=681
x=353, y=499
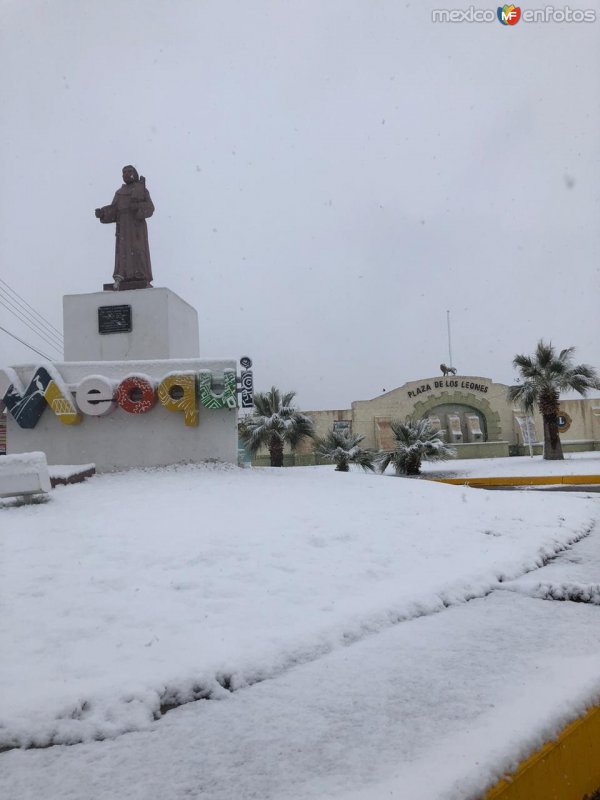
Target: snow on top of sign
x=153, y=363
x=8, y=377
x=98, y=377
x=74, y=371
x=58, y=380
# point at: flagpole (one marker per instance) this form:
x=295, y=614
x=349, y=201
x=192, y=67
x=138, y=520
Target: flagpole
x=449, y=338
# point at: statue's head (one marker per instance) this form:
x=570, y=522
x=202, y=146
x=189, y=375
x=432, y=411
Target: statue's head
x=130, y=174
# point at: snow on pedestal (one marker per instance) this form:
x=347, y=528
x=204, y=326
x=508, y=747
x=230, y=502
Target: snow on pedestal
x=162, y=326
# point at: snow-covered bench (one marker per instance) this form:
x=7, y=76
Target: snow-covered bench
x=24, y=474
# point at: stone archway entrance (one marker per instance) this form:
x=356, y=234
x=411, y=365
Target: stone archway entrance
x=462, y=405
x=462, y=423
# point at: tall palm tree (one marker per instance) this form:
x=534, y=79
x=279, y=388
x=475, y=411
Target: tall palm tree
x=343, y=448
x=415, y=442
x=273, y=423
x=545, y=375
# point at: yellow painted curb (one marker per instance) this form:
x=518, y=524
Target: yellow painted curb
x=523, y=480
x=565, y=769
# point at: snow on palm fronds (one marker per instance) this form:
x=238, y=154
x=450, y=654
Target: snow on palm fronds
x=415, y=442
x=273, y=423
x=545, y=375
x=342, y=448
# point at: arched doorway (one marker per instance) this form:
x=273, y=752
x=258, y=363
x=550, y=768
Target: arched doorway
x=462, y=422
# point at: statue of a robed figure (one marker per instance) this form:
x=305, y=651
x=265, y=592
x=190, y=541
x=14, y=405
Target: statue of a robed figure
x=130, y=208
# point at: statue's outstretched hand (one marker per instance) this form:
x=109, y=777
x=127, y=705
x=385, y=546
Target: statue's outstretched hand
x=98, y=213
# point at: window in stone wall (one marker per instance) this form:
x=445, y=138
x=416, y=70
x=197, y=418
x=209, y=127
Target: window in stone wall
x=344, y=425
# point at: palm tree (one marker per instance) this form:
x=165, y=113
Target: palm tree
x=415, y=442
x=545, y=375
x=273, y=423
x=342, y=449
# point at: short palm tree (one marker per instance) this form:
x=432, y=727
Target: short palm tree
x=273, y=423
x=545, y=375
x=342, y=448
x=415, y=442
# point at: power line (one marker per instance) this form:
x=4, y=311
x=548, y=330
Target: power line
x=29, y=318
x=34, y=329
x=39, y=352
x=37, y=313
x=32, y=326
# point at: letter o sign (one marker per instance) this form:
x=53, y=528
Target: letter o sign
x=136, y=395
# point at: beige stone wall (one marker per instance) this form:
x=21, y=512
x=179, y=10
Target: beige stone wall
x=585, y=420
x=323, y=421
x=417, y=398
x=370, y=418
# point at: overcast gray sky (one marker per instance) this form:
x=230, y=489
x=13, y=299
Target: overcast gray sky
x=329, y=178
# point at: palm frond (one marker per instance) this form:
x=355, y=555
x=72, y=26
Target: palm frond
x=544, y=354
x=525, y=394
x=526, y=365
x=384, y=459
x=298, y=427
x=416, y=441
x=342, y=448
x=580, y=378
x=566, y=354
x=274, y=418
x=287, y=398
x=546, y=372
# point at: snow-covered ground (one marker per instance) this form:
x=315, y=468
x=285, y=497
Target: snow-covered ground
x=573, y=464
x=315, y=594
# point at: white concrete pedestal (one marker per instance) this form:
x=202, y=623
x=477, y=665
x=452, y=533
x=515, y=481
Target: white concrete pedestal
x=162, y=326
x=159, y=403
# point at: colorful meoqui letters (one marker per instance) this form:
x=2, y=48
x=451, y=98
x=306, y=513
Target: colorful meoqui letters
x=209, y=399
x=45, y=388
x=177, y=392
x=98, y=396
x=136, y=394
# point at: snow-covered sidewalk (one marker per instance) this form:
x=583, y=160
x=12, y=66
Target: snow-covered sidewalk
x=587, y=463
